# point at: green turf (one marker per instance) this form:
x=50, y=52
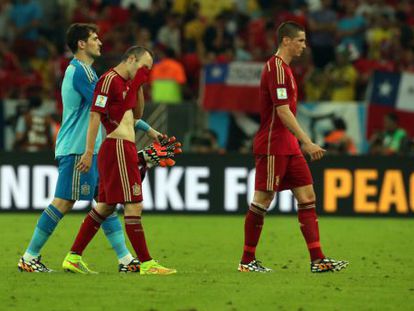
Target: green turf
x=206, y=250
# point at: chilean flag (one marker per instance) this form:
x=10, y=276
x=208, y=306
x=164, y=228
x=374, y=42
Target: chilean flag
x=391, y=92
x=231, y=87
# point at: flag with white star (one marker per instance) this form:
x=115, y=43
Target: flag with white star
x=391, y=92
x=231, y=87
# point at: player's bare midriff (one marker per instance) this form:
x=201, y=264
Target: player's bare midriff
x=125, y=129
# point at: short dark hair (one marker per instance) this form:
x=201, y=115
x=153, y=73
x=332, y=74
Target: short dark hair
x=137, y=51
x=288, y=29
x=79, y=31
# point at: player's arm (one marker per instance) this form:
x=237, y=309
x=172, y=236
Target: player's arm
x=144, y=126
x=85, y=162
x=289, y=120
x=135, y=95
x=281, y=94
x=99, y=106
x=139, y=108
x=82, y=83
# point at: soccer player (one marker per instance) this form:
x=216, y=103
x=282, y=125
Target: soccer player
x=77, y=92
x=280, y=164
x=118, y=100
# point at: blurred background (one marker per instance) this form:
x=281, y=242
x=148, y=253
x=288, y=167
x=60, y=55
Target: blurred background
x=355, y=82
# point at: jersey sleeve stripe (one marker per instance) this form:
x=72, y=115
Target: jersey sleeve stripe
x=107, y=82
x=268, y=66
x=280, y=72
x=92, y=73
x=87, y=72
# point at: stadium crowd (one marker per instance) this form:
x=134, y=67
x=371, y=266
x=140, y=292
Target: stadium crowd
x=348, y=40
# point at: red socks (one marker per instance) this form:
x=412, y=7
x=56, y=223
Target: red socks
x=136, y=235
x=310, y=230
x=252, y=228
x=87, y=231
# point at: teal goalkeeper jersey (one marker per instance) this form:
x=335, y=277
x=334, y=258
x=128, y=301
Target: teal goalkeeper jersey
x=77, y=94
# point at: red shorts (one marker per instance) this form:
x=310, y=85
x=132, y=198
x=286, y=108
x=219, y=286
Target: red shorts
x=281, y=172
x=119, y=178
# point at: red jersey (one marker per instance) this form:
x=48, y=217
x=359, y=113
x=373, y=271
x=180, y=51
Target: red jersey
x=277, y=87
x=109, y=99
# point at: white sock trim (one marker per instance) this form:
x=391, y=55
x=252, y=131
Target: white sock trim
x=28, y=257
x=126, y=259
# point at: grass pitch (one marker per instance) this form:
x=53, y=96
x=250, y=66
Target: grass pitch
x=206, y=251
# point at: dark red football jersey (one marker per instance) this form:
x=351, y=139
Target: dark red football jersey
x=277, y=87
x=109, y=99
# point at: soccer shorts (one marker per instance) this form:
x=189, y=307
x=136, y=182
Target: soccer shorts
x=281, y=172
x=73, y=185
x=119, y=177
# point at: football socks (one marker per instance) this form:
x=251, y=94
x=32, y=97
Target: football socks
x=310, y=230
x=46, y=224
x=252, y=229
x=136, y=235
x=114, y=233
x=87, y=231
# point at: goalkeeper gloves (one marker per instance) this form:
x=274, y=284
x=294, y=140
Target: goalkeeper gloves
x=160, y=153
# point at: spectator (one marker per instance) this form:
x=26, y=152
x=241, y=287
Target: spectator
x=351, y=28
x=34, y=131
x=337, y=141
x=322, y=26
x=152, y=19
x=170, y=34
x=342, y=77
x=195, y=27
x=25, y=17
x=10, y=70
x=167, y=79
x=192, y=66
x=392, y=140
x=216, y=38
x=241, y=53
x=5, y=8
x=143, y=38
x=316, y=85
x=379, y=36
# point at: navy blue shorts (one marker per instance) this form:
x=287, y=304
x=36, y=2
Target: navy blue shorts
x=73, y=185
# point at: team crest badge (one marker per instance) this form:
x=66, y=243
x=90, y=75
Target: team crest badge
x=136, y=189
x=277, y=181
x=85, y=189
x=124, y=93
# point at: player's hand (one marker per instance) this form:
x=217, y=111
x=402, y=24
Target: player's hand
x=314, y=151
x=161, y=153
x=141, y=76
x=155, y=135
x=85, y=162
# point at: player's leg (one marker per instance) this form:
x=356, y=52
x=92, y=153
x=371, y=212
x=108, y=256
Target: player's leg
x=136, y=235
x=299, y=180
x=73, y=261
x=269, y=171
x=113, y=188
x=65, y=195
x=253, y=225
x=114, y=232
x=308, y=220
x=46, y=224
